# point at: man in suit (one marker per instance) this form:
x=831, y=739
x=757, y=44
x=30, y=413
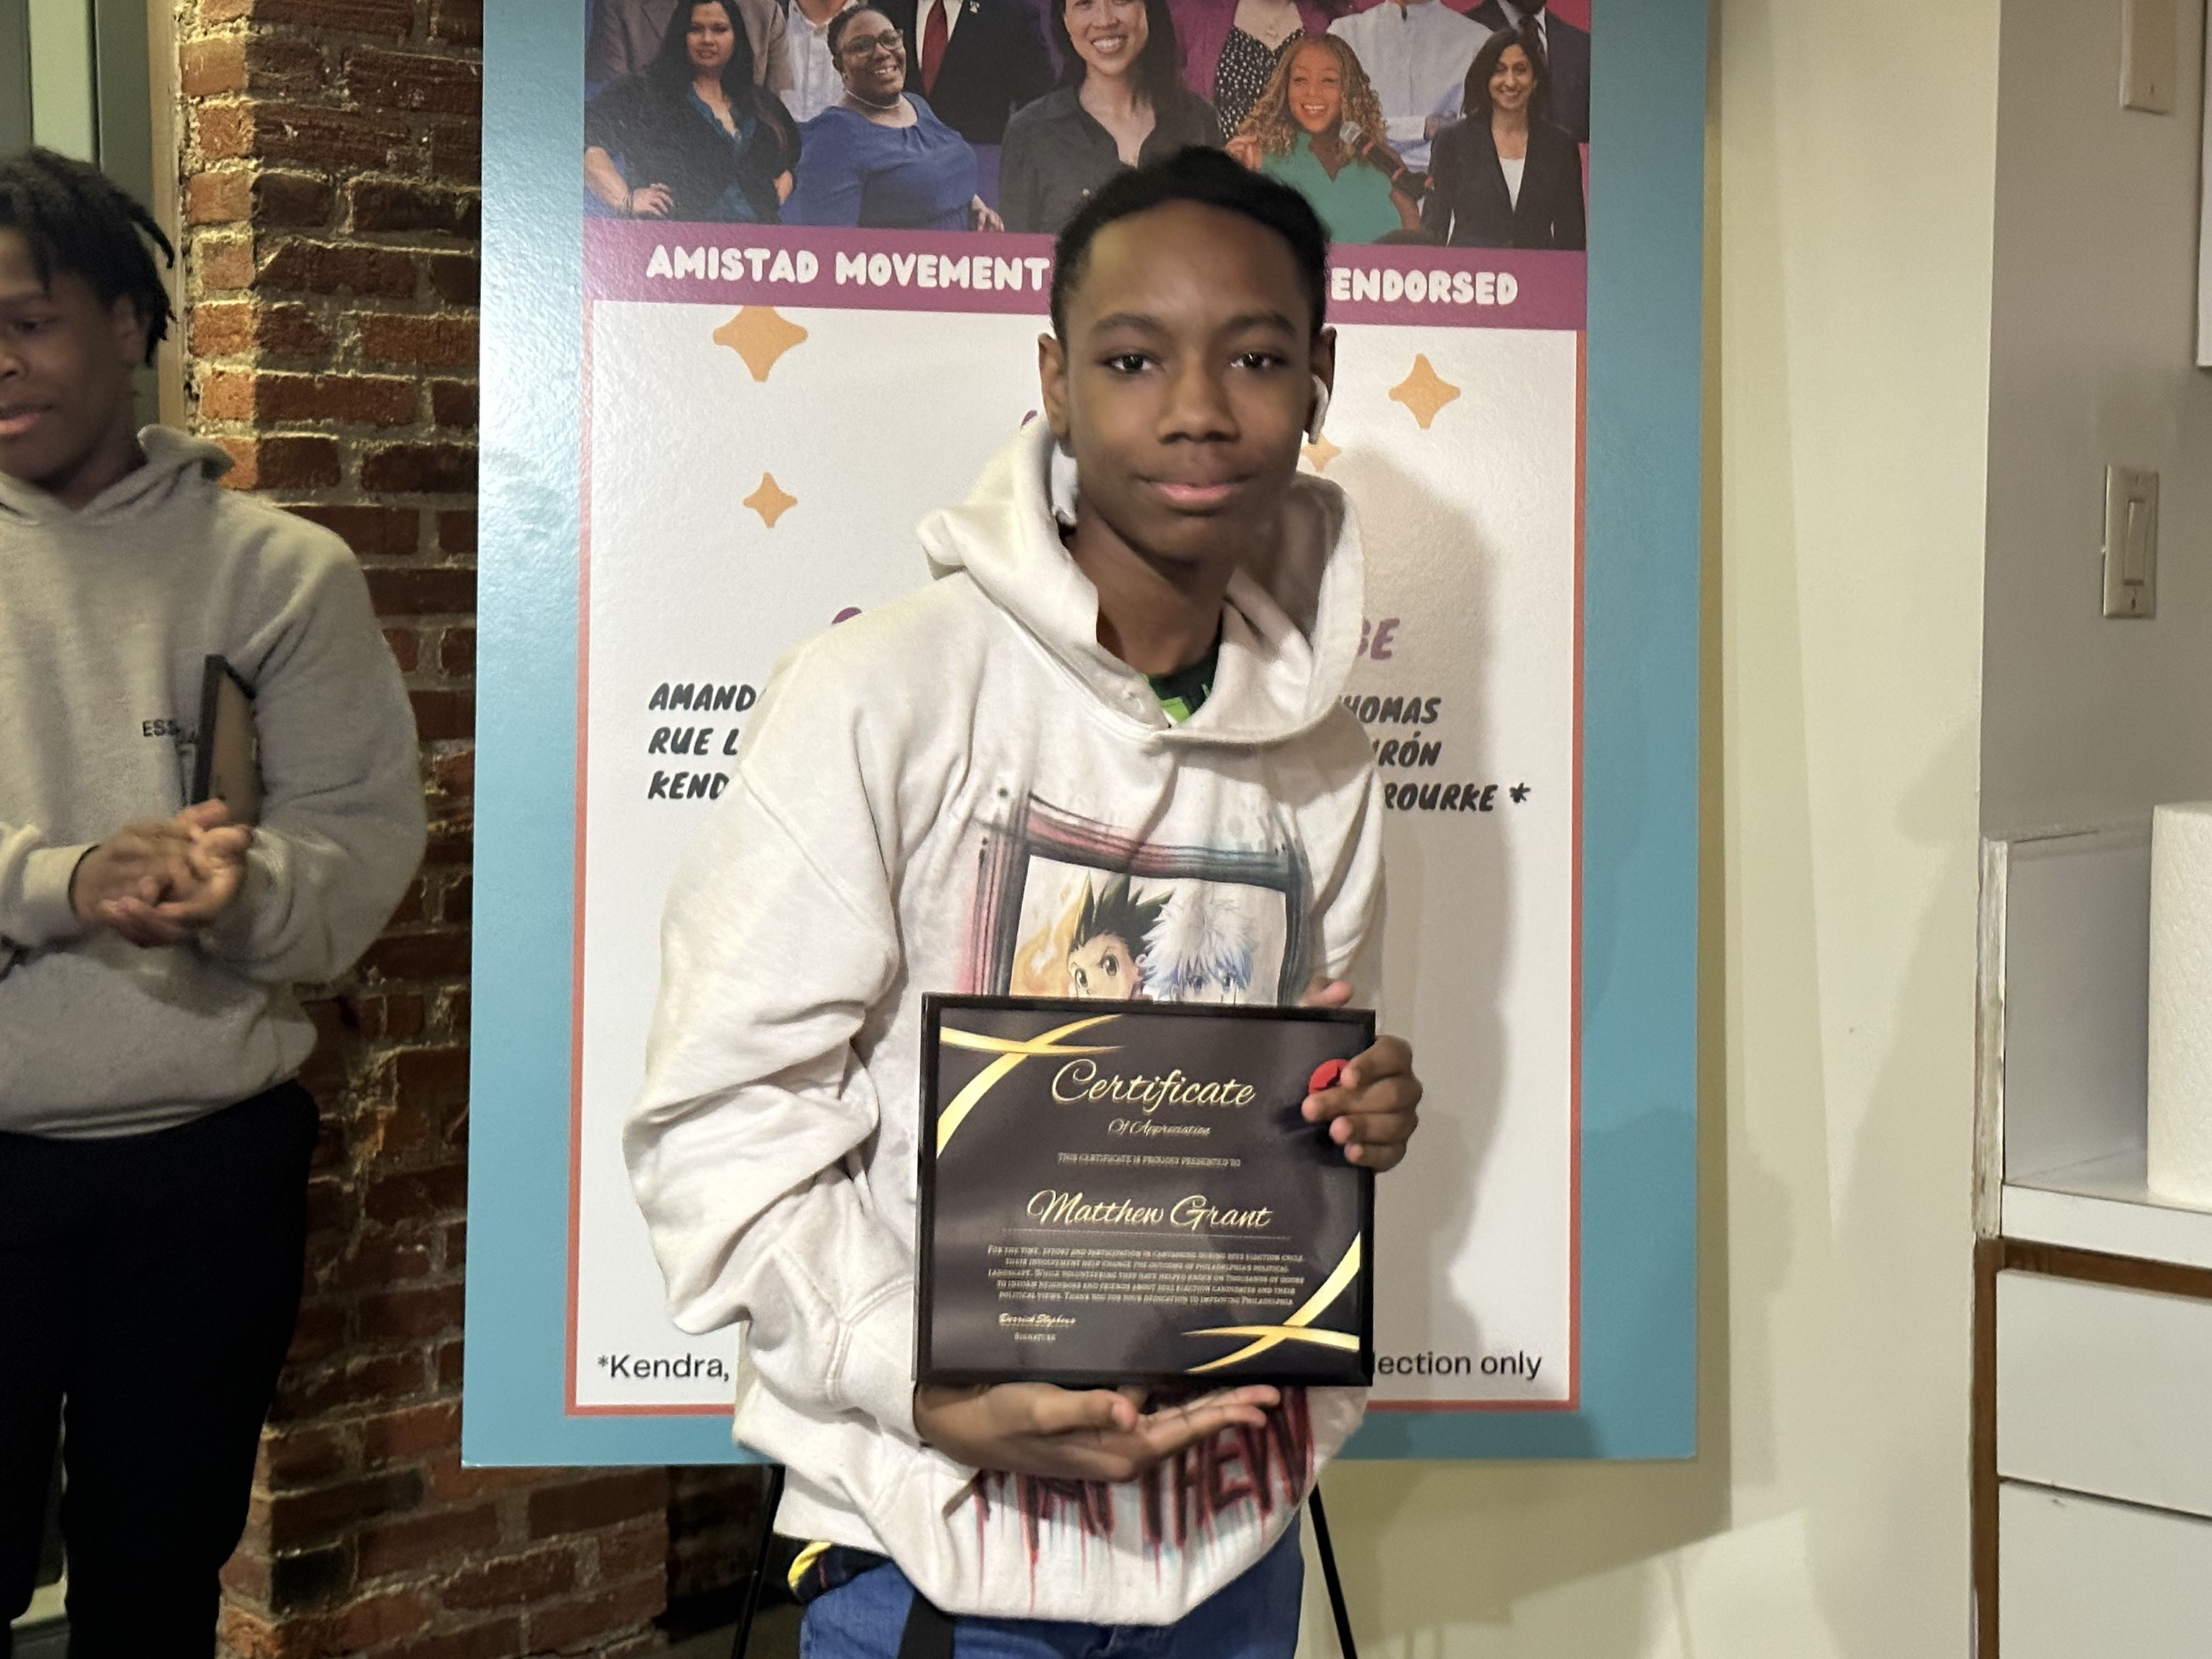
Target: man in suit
x=975, y=61
x=1566, y=49
x=626, y=36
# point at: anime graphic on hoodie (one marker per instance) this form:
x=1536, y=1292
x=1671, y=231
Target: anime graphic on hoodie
x=1097, y=914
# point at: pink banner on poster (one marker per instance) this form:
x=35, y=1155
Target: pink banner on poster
x=952, y=271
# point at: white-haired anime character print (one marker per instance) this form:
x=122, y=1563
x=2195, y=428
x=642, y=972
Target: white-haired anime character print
x=1203, y=947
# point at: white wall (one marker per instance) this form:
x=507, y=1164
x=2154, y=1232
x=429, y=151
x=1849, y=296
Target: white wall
x=2087, y=720
x=1827, y=1512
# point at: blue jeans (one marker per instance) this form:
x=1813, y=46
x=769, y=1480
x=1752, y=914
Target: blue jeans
x=1255, y=1617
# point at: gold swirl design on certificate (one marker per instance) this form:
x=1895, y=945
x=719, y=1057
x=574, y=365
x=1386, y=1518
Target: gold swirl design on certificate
x=1011, y=1051
x=1296, y=1328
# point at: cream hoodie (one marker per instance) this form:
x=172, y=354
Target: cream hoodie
x=925, y=800
x=107, y=616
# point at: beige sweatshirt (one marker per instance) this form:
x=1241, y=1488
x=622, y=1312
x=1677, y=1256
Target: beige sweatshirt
x=107, y=617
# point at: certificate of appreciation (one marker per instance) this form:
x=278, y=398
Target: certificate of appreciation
x=1128, y=1193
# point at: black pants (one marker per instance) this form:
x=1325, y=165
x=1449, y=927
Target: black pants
x=148, y=1286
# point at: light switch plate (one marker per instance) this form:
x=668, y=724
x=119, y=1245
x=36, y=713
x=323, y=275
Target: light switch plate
x=2150, y=52
x=2130, y=542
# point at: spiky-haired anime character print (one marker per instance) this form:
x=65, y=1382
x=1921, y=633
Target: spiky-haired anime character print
x=1202, y=948
x=1105, y=950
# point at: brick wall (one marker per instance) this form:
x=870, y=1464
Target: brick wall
x=330, y=204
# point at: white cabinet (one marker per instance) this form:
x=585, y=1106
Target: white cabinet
x=2082, y=1579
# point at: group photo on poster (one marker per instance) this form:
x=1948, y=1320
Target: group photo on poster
x=817, y=259
x=1407, y=121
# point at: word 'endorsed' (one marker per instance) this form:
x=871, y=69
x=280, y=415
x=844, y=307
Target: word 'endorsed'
x=1457, y=288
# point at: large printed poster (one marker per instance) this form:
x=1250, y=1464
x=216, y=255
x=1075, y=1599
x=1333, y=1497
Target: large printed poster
x=816, y=256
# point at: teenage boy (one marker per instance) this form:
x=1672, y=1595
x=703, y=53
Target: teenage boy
x=152, y=1150
x=1126, y=673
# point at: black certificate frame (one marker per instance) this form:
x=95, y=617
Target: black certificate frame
x=926, y=1372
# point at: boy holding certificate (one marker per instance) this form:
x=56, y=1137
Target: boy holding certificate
x=1101, y=755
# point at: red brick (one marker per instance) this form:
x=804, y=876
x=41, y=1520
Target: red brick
x=345, y=399
x=301, y=463
x=513, y=1581
x=452, y=1365
x=456, y=651
x=456, y=278
x=304, y=267
x=406, y=648
x=210, y=65
x=319, y=1333
x=457, y=22
x=453, y=403
x=432, y=1071
x=442, y=715
x=625, y=1550
x=455, y=775
x=388, y=205
x=224, y=264
x=321, y=136
x=221, y=327
x=460, y=903
x=450, y=1482
x=293, y=199
x=413, y=82
x=420, y=470
x=371, y=532
x=311, y=1516
x=434, y=590
x=374, y=1263
x=408, y=1315
x=457, y=532
x=417, y=1195
x=303, y=1456
x=398, y=1545
x=219, y=198
x=496, y=1638
x=293, y=66
x=395, y=1017
x=360, y=1380
x=585, y=1505
x=412, y=1432
x=404, y=339
x=457, y=152
x=225, y=130
x=613, y=1611
x=393, y=17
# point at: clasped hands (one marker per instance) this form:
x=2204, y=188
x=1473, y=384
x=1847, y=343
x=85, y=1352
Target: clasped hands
x=160, y=880
x=1108, y=1434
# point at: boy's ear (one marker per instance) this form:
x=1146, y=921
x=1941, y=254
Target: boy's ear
x=1052, y=383
x=128, y=328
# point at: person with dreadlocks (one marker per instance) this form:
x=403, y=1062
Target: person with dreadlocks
x=154, y=1147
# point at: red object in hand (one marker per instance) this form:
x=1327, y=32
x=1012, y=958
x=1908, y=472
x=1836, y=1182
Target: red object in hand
x=934, y=34
x=1325, y=1076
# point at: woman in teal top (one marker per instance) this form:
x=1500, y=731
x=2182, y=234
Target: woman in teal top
x=1318, y=127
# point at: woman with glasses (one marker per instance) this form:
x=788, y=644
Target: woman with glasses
x=1121, y=103
x=692, y=137
x=879, y=157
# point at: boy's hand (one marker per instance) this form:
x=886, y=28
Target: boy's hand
x=1096, y=1434
x=1371, y=1109
x=156, y=883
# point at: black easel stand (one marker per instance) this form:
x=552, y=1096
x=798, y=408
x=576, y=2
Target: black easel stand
x=770, y=1501
x=1344, y=1643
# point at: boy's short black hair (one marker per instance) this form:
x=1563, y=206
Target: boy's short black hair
x=1206, y=176
x=75, y=219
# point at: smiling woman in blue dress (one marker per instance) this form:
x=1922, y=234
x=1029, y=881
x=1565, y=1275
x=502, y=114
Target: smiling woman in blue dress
x=692, y=137
x=879, y=157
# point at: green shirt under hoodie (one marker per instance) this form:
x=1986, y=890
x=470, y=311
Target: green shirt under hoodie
x=107, y=615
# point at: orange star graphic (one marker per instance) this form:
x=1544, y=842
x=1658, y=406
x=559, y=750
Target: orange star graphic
x=1321, y=452
x=1423, y=392
x=760, y=336
x=770, y=501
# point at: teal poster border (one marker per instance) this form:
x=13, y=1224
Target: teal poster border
x=1639, y=863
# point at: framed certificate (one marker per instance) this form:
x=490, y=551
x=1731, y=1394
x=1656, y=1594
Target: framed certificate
x=1127, y=1192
